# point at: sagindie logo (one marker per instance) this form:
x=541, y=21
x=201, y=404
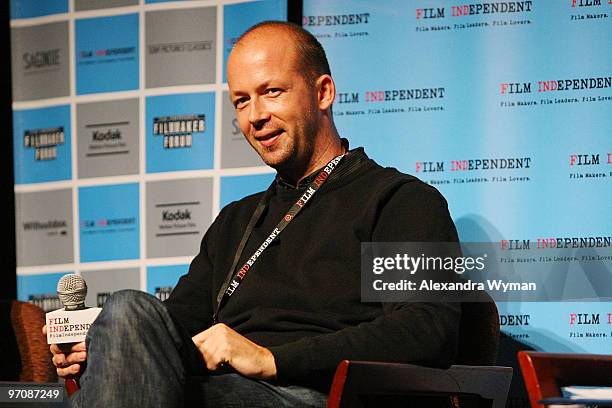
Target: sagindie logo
x=177, y=131
x=41, y=60
x=44, y=142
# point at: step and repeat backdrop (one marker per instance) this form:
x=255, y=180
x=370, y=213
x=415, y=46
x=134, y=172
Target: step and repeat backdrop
x=506, y=108
x=126, y=145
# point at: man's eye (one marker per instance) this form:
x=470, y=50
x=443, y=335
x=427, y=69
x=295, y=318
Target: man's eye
x=238, y=103
x=273, y=91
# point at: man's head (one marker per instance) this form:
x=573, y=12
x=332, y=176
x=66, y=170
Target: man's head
x=280, y=85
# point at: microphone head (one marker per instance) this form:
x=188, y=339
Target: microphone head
x=72, y=290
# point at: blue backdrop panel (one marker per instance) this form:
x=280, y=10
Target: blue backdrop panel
x=160, y=277
x=42, y=144
x=109, y=222
x=33, y=286
x=37, y=8
x=506, y=112
x=106, y=54
x=237, y=18
x=171, y=110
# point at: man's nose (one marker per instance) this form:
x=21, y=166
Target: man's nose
x=258, y=114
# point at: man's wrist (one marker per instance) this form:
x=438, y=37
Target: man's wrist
x=269, y=365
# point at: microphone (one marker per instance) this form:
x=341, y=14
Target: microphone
x=72, y=291
x=70, y=324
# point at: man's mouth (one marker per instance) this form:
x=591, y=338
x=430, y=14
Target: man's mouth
x=267, y=139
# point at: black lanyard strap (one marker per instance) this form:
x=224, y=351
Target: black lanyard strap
x=232, y=281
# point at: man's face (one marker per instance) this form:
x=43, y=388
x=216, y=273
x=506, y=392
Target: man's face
x=276, y=108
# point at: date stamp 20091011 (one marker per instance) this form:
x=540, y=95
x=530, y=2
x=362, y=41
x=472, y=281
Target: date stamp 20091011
x=24, y=394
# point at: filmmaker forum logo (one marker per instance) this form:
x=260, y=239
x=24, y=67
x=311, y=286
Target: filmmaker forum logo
x=177, y=131
x=44, y=142
x=488, y=170
x=553, y=91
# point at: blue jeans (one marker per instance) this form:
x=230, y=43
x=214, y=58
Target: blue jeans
x=138, y=357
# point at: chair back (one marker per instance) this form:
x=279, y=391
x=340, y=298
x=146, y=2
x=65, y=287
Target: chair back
x=27, y=321
x=546, y=373
x=478, y=333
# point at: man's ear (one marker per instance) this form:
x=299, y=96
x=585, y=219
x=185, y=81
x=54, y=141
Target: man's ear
x=326, y=89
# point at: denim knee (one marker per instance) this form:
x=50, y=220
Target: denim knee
x=129, y=304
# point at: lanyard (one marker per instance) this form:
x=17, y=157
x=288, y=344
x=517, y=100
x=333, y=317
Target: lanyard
x=232, y=282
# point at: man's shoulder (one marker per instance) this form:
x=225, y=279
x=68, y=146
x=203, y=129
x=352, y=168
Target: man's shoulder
x=395, y=184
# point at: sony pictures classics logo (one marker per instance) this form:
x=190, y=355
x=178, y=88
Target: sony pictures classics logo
x=44, y=142
x=176, y=47
x=178, y=130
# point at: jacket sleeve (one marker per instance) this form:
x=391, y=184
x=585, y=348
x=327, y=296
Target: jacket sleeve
x=421, y=333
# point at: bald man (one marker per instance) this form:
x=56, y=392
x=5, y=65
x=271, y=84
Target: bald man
x=271, y=304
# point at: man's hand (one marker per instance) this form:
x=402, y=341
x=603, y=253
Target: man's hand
x=66, y=357
x=221, y=345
